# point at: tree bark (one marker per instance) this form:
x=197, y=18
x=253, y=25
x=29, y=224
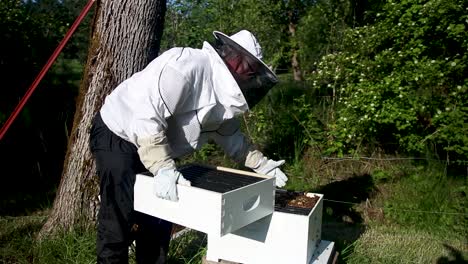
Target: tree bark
x=125, y=38
x=297, y=73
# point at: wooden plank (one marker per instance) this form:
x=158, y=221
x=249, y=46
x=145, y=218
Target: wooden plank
x=335, y=257
x=204, y=261
x=247, y=173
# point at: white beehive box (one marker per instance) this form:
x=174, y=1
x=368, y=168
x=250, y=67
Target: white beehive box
x=278, y=238
x=212, y=212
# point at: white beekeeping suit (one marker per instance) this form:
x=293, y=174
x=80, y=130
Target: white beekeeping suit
x=178, y=102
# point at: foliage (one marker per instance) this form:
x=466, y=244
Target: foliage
x=35, y=144
x=401, y=81
x=283, y=119
x=320, y=31
x=31, y=30
x=189, y=23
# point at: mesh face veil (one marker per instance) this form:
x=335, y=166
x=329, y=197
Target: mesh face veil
x=253, y=76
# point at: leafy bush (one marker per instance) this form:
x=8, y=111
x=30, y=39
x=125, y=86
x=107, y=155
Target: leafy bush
x=402, y=80
x=290, y=116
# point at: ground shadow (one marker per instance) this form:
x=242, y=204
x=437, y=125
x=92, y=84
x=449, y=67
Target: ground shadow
x=341, y=222
x=456, y=256
x=340, y=198
x=31, y=167
x=25, y=202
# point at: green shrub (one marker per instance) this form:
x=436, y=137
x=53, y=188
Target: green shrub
x=401, y=83
x=291, y=115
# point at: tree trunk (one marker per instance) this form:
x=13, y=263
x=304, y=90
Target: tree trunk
x=125, y=38
x=295, y=56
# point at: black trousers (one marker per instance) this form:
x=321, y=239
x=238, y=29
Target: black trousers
x=117, y=163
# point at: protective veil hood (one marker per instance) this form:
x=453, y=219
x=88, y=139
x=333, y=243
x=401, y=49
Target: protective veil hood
x=243, y=54
x=228, y=92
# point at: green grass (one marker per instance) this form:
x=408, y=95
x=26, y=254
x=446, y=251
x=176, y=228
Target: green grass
x=17, y=236
x=427, y=199
x=400, y=213
x=72, y=247
x=416, y=214
x=18, y=244
x=188, y=249
x=382, y=244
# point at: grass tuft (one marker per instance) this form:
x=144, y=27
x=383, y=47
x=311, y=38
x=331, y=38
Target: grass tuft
x=19, y=245
x=382, y=244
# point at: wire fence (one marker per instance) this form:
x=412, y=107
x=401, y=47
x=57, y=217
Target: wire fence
x=359, y=158
x=402, y=210
x=378, y=159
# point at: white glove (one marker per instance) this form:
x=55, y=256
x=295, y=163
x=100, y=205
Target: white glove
x=165, y=183
x=280, y=177
x=270, y=168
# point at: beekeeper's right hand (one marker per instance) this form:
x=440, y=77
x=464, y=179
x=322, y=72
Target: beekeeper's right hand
x=165, y=183
x=155, y=154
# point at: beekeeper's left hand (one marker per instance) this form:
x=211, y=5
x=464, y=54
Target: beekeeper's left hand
x=271, y=168
x=280, y=177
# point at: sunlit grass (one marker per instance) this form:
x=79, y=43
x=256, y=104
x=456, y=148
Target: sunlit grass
x=19, y=244
x=381, y=244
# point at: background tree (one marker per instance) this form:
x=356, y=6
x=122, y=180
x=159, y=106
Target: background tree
x=274, y=22
x=125, y=38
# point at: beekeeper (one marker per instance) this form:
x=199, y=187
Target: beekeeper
x=182, y=99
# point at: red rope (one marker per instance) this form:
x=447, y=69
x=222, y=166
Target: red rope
x=44, y=70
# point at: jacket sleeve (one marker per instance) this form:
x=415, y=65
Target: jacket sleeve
x=153, y=147
x=236, y=145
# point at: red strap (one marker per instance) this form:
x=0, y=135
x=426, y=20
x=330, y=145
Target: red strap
x=44, y=70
